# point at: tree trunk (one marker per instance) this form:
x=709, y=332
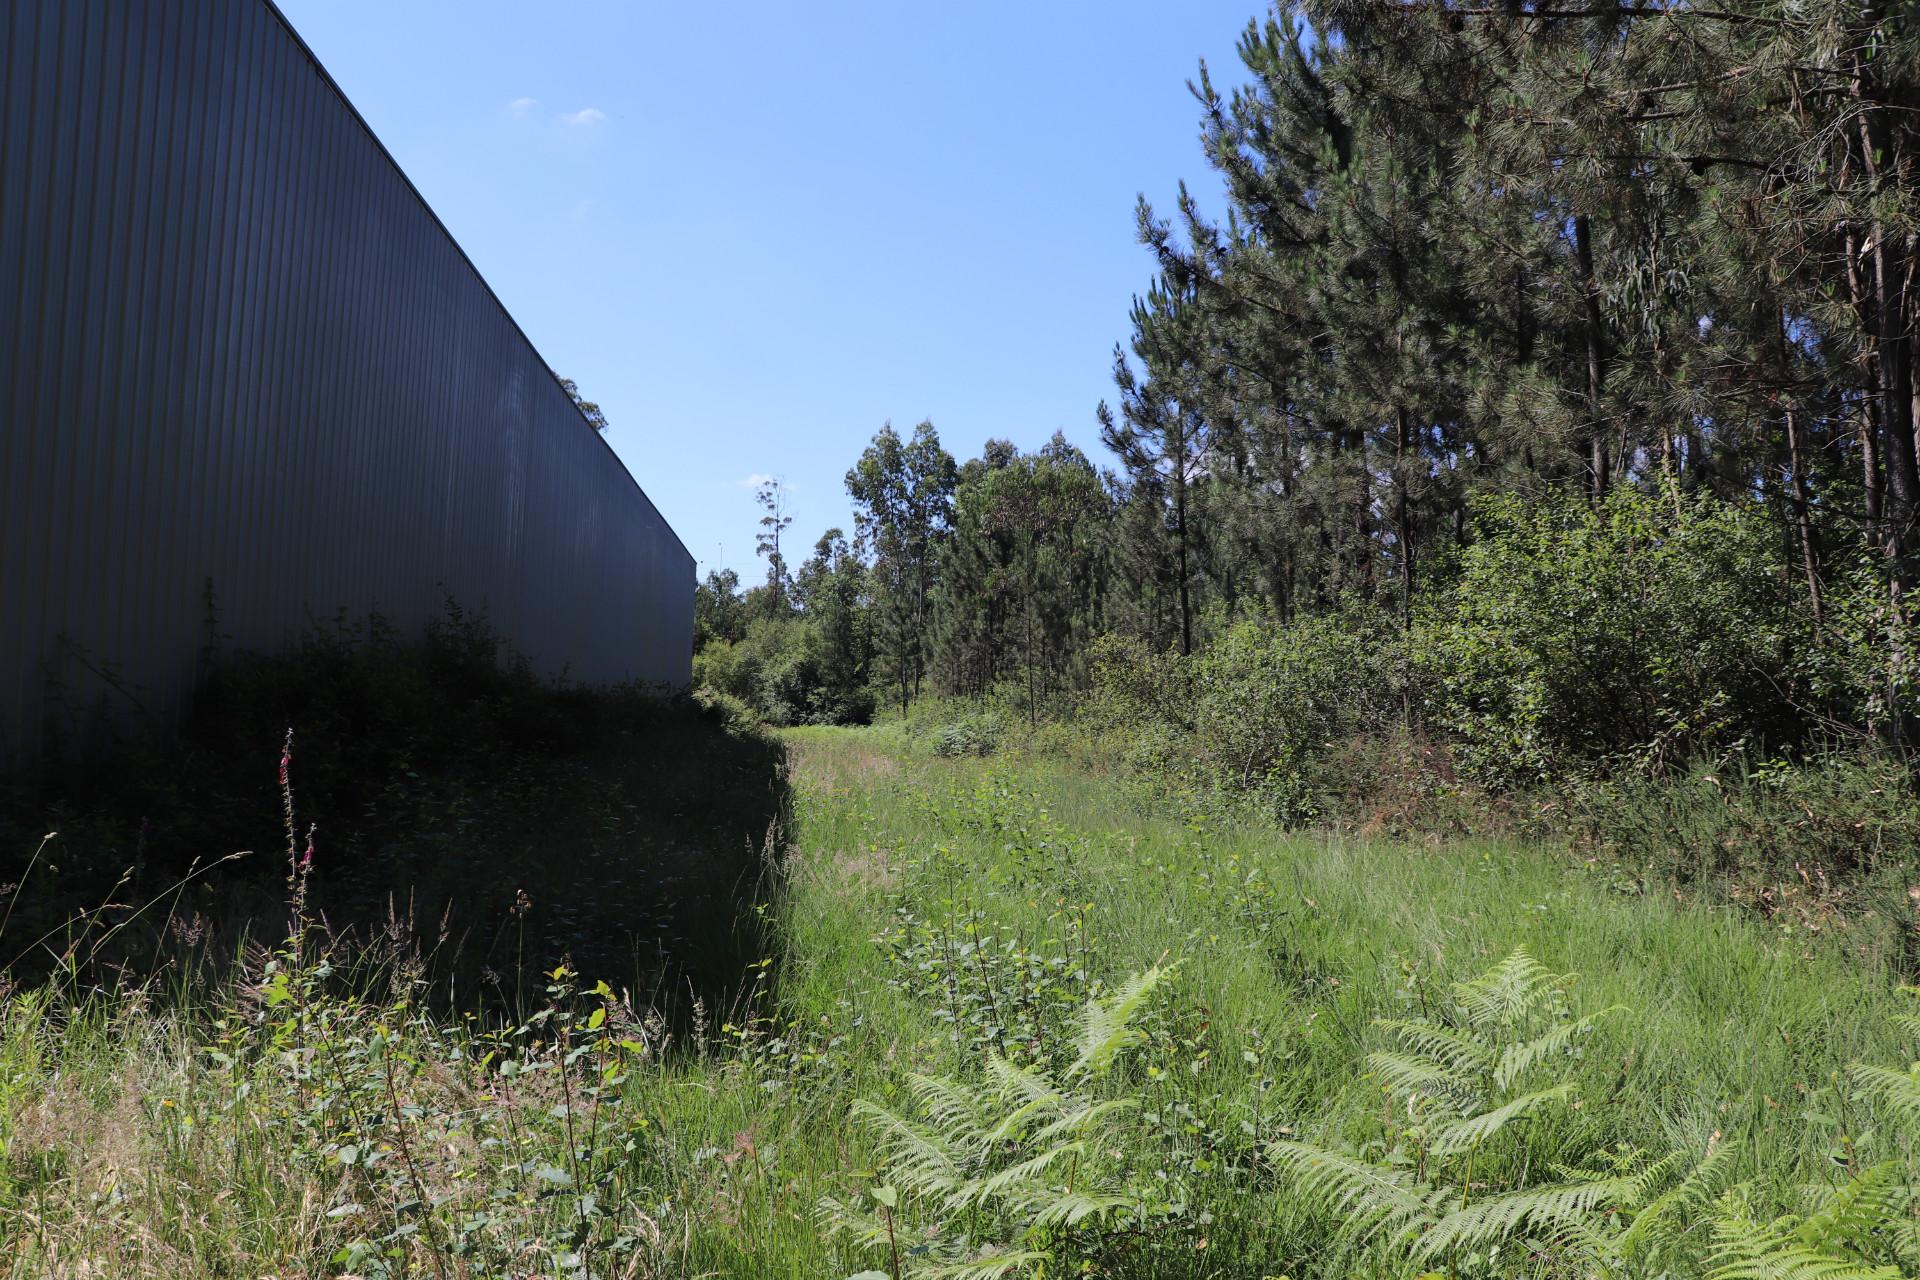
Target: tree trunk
x=1362, y=513
x=1598, y=470
x=1400, y=505
x=1180, y=544
x=1889, y=289
x=1797, y=489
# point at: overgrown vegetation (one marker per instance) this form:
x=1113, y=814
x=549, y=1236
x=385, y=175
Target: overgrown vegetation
x=455, y=798
x=1584, y=671
x=1538, y=419
x=1008, y=1026
x=1530, y=453
x=1571, y=640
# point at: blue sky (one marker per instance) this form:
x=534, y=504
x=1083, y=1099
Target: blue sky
x=754, y=233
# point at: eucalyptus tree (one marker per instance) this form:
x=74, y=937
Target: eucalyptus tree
x=778, y=518
x=903, y=496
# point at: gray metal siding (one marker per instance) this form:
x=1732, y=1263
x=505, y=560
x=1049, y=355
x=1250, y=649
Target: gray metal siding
x=236, y=347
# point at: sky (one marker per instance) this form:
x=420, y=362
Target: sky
x=754, y=233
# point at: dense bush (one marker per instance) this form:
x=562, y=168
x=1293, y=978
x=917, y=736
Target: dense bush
x=1261, y=711
x=784, y=670
x=1579, y=660
x=959, y=726
x=1648, y=628
x=733, y=715
x=1820, y=820
x=972, y=734
x=1854, y=685
x=1270, y=702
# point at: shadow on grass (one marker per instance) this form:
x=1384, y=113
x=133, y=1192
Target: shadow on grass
x=463, y=813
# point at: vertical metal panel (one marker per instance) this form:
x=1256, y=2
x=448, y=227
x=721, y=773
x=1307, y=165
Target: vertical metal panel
x=237, y=348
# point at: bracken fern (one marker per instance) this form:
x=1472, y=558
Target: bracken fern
x=1464, y=1082
x=998, y=1177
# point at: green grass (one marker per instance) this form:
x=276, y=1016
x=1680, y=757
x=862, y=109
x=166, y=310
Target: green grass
x=932, y=912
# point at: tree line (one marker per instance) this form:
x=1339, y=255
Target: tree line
x=958, y=580
x=1560, y=255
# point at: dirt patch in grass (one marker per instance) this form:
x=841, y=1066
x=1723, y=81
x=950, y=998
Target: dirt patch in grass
x=837, y=763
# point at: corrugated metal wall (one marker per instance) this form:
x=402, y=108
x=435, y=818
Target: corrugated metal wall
x=236, y=347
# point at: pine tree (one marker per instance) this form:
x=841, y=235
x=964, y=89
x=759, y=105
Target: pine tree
x=1161, y=430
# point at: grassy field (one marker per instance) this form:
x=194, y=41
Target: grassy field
x=936, y=917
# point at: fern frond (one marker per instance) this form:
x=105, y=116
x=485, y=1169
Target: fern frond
x=953, y=1110
x=981, y=1191
x=1460, y=1053
x=1517, y=1059
x=1510, y=991
x=1106, y=1026
x=1654, y=1179
x=988, y=1265
x=838, y=1218
x=1746, y=1249
x=1083, y=1119
x=994, y=1150
x=834, y=1215
x=1796, y=1262
x=1408, y=1073
x=1909, y=1022
x=1899, y=1090
x=916, y=1157
x=1857, y=1209
x=1474, y=1130
x=1023, y=1084
x=1674, y=1210
x=1036, y=1096
x=1371, y=1198
x=1588, y=1240
x=1502, y=1217
x=1066, y=1210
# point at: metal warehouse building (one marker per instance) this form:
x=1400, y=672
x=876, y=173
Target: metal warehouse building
x=238, y=351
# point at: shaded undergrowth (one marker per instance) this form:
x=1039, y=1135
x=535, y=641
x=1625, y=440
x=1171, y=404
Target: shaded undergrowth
x=460, y=809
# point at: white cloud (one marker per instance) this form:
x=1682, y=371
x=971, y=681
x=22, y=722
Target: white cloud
x=586, y=116
x=522, y=107
x=755, y=480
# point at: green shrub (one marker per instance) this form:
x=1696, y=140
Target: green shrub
x=1260, y=712
x=782, y=668
x=1270, y=702
x=741, y=667
x=1135, y=685
x=799, y=685
x=1646, y=629
x=971, y=735
x=727, y=667
x=733, y=714
x=1832, y=816
x=1849, y=675
x=952, y=727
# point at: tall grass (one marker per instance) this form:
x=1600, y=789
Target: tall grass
x=934, y=916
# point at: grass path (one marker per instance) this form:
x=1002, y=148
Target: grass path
x=1287, y=947
x=934, y=912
